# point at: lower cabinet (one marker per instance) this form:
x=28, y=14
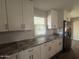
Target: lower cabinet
x=45, y=51
x=33, y=53
x=52, y=48
x=55, y=47
x=60, y=44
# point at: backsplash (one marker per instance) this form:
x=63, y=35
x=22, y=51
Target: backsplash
x=6, y=37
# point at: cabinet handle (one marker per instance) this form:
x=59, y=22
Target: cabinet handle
x=6, y=26
x=32, y=56
x=29, y=57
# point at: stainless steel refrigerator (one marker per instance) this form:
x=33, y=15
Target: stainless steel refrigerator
x=67, y=41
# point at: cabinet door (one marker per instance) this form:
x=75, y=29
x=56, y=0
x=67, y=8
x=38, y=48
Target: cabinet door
x=60, y=44
x=28, y=15
x=32, y=53
x=3, y=19
x=24, y=55
x=52, y=48
x=36, y=54
x=54, y=17
x=14, y=14
x=12, y=57
x=44, y=51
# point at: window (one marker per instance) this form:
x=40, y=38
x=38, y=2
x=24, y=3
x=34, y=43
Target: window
x=40, y=27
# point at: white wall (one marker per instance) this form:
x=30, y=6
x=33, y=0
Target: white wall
x=40, y=13
x=75, y=29
x=6, y=37
x=75, y=11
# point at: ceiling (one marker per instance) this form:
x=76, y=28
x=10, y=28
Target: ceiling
x=53, y=4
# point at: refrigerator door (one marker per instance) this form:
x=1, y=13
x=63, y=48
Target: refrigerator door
x=66, y=36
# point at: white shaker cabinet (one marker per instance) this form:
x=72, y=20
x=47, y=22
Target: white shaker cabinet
x=14, y=14
x=24, y=55
x=28, y=15
x=32, y=53
x=54, y=18
x=52, y=48
x=60, y=44
x=45, y=51
x=36, y=53
x=55, y=46
x=3, y=19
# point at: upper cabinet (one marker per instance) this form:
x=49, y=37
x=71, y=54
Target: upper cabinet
x=16, y=15
x=3, y=19
x=60, y=19
x=28, y=15
x=53, y=19
x=13, y=14
x=67, y=15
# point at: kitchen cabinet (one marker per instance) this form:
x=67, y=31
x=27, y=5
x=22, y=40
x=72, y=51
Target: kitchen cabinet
x=45, y=51
x=3, y=20
x=55, y=47
x=53, y=19
x=32, y=53
x=60, y=44
x=14, y=15
x=28, y=21
x=24, y=55
x=52, y=48
x=67, y=15
x=60, y=19
x=14, y=56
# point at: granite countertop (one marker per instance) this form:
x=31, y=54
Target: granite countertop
x=15, y=47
